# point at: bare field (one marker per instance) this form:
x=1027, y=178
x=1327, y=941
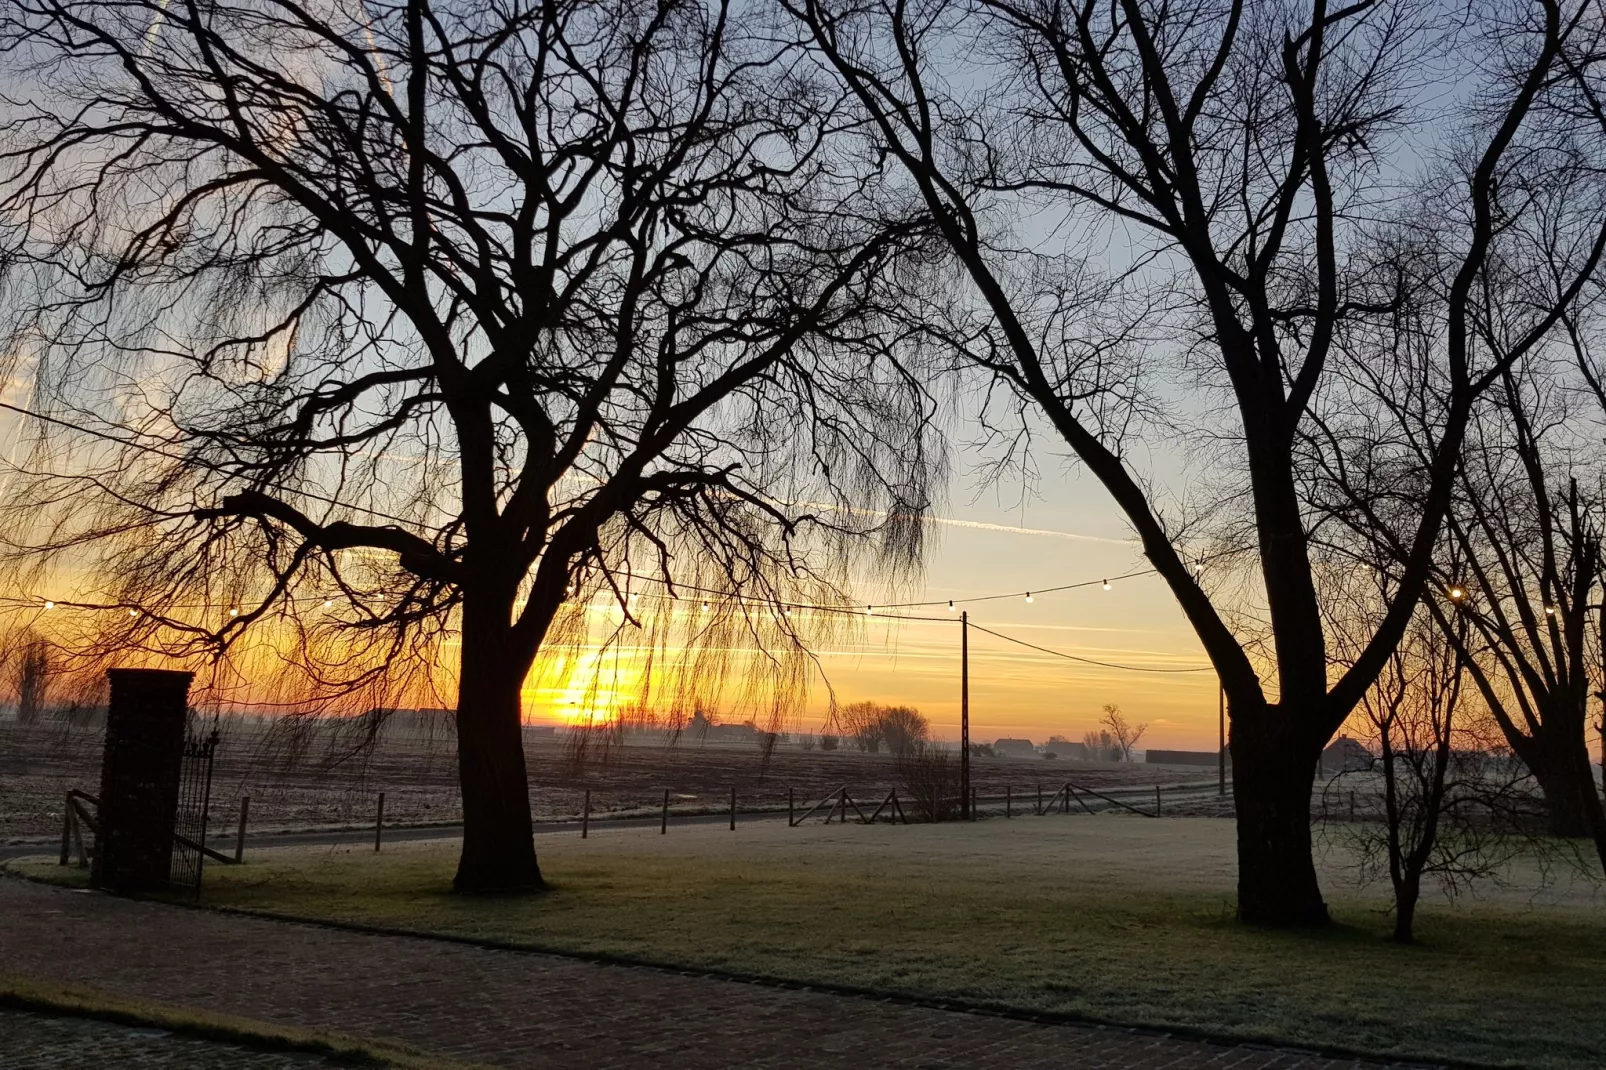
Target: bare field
x=328, y=780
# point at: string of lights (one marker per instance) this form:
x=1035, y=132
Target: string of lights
x=885, y=611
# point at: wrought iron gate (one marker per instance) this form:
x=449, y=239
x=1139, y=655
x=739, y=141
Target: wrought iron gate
x=194, y=800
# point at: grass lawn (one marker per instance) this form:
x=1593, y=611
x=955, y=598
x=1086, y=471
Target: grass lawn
x=25, y=993
x=1119, y=919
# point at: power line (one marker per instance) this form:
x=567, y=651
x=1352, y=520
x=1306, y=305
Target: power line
x=1086, y=661
x=871, y=609
x=131, y=444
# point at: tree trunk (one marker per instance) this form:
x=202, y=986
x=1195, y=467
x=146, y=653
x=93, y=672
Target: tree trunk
x=1558, y=757
x=1568, y=798
x=498, y=841
x=1406, y=894
x=1273, y=773
x=1572, y=803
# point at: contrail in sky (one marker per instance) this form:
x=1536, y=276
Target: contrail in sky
x=980, y=526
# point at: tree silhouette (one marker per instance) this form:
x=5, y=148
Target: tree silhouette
x=398, y=324
x=1234, y=152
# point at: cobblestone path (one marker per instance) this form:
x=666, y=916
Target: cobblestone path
x=40, y=1042
x=517, y=1009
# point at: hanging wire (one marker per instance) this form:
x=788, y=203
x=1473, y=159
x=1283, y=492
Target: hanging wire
x=870, y=609
x=1085, y=661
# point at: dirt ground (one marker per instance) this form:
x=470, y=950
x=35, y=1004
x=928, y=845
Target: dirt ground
x=326, y=778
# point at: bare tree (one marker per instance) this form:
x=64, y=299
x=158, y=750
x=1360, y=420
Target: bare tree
x=1530, y=557
x=903, y=728
x=402, y=324
x=860, y=722
x=1101, y=746
x=929, y=773
x=1124, y=734
x=30, y=670
x=1451, y=806
x=1237, y=146
x=1516, y=580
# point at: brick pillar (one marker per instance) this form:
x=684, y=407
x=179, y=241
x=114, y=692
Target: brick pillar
x=139, y=778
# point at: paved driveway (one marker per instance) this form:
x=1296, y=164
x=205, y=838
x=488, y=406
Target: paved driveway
x=519, y=1009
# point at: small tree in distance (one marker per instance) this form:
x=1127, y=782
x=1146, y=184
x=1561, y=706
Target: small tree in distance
x=1124, y=736
x=1101, y=746
x=31, y=676
x=860, y=722
x=904, y=728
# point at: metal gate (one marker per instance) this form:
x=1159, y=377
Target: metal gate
x=194, y=800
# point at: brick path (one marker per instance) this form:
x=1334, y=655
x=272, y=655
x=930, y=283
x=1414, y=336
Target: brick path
x=39, y=1042
x=517, y=1009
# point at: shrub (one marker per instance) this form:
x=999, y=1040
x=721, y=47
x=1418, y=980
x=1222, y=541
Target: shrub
x=929, y=776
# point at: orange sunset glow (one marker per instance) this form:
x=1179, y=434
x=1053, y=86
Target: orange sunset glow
x=976, y=552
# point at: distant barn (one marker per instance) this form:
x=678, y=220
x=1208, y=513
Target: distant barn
x=1015, y=748
x=1184, y=757
x=1345, y=755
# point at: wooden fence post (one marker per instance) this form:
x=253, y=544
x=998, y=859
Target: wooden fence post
x=789, y=806
x=1009, y=800
x=66, y=830
x=239, y=837
x=585, y=815
x=663, y=825
x=733, y=807
x=1157, y=800
x=379, y=821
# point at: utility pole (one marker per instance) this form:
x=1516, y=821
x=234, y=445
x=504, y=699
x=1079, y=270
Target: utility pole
x=964, y=716
x=1601, y=694
x=1221, y=735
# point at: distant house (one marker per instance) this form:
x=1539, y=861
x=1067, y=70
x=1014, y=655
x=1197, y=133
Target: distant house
x=1064, y=749
x=1184, y=757
x=1014, y=748
x=1345, y=755
x=413, y=724
x=744, y=732
x=703, y=728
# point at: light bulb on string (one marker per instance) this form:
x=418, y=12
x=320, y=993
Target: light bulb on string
x=1457, y=593
x=705, y=607
x=1106, y=585
x=1028, y=596
x=869, y=611
x=133, y=613
x=1550, y=611
x=950, y=605
x=234, y=612
x=50, y=605
x=328, y=603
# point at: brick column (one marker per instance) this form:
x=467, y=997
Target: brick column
x=139, y=778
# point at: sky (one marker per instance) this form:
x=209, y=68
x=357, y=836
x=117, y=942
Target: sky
x=1068, y=531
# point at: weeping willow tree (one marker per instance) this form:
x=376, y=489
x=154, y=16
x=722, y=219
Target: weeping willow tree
x=387, y=328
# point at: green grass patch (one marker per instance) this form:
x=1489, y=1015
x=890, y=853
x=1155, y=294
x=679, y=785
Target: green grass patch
x=24, y=993
x=1111, y=919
